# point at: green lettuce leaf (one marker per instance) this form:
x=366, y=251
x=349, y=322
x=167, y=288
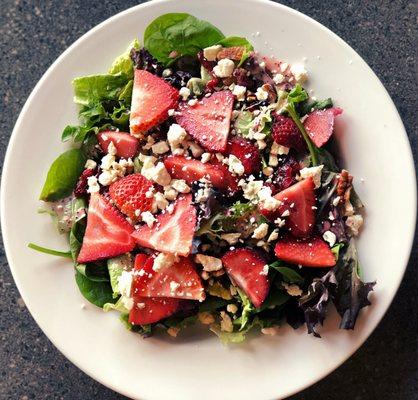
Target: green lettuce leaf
x=115, y=267
x=173, y=35
x=63, y=175
x=123, y=63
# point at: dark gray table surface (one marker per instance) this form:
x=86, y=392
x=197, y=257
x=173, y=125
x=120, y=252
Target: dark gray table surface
x=34, y=33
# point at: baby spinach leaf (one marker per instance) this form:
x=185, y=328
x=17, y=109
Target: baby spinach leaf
x=308, y=106
x=173, y=35
x=97, y=293
x=289, y=274
x=65, y=254
x=63, y=175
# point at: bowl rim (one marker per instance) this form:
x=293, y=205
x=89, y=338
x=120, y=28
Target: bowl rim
x=409, y=231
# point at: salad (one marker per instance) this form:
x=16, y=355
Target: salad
x=201, y=187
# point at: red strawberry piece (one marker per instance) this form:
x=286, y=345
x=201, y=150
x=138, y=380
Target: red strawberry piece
x=107, y=235
x=81, y=187
x=320, y=124
x=129, y=194
x=147, y=310
x=229, y=181
x=179, y=280
x=310, y=252
x=126, y=145
x=297, y=202
x=286, y=133
x=190, y=170
x=247, y=152
x=246, y=268
x=171, y=233
x=208, y=121
x=152, y=97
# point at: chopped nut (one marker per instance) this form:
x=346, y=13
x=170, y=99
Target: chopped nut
x=206, y=318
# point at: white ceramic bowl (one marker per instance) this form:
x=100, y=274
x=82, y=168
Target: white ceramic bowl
x=375, y=148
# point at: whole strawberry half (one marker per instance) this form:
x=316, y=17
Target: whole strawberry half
x=246, y=268
x=129, y=194
x=171, y=233
x=126, y=145
x=107, y=234
x=286, y=133
x=297, y=201
x=320, y=124
x=152, y=97
x=179, y=280
x=208, y=121
x=310, y=252
x=247, y=152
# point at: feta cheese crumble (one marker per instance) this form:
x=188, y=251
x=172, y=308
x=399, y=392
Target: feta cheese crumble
x=224, y=68
x=209, y=263
x=313, y=172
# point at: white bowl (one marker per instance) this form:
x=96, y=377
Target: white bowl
x=375, y=148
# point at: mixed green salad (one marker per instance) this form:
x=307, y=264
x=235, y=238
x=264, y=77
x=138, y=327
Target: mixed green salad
x=201, y=187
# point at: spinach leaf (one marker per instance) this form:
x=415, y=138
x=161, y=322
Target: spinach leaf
x=97, y=293
x=92, y=89
x=212, y=304
x=289, y=274
x=63, y=175
x=123, y=63
x=173, y=35
x=65, y=254
x=307, y=107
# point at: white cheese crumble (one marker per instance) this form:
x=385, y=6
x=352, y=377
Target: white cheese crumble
x=231, y=238
x=160, y=201
x=265, y=270
x=206, y=157
x=125, y=283
x=211, y=52
x=299, y=72
x=170, y=193
x=354, y=223
x=90, y=164
x=176, y=135
x=239, y=92
x=278, y=78
x=148, y=218
x=330, y=238
x=261, y=94
x=93, y=185
x=209, y=263
x=273, y=236
x=164, y=260
x=195, y=149
x=266, y=199
x=235, y=165
x=180, y=185
x=260, y=231
x=160, y=175
x=224, y=68
x=160, y=147
x=184, y=92
x=277, y=149
x=313, y=172
x=251, y=188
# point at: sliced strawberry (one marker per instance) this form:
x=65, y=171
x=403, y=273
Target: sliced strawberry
x=233, y=53
x=208, y=121
x=229, y=181
x=107, y=235
x=129, y=194
x=247, y=152
x=286, y=133
x=179, y=280
x=297, y=201
x=320, y=124
x=147, y=310
x=171, y=233
x=310, y=252
x=152, y=97
x=190, y=170
x=126, y=145
x=246, y=268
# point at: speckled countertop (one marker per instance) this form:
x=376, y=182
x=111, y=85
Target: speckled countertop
x=32, y=35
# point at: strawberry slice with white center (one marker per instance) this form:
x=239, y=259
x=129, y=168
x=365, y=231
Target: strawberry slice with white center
x=208, y=121
x=171, y=233
x=147, y=310
x=248, y=270
x=310, y=252
x=126, y=145
x=190, y=170
x=152, y=97
x=297, y=208
x=107, y=234
x=320, y=124
x=177, y=280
